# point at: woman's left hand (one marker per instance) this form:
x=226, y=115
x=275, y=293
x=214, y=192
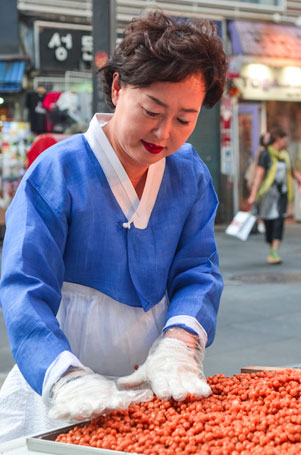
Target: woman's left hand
x=173, y=369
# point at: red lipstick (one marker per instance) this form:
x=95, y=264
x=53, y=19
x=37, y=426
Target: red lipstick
x=152, y=148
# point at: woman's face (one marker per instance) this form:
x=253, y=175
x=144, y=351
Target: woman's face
x=281, y=143
x=153, y=122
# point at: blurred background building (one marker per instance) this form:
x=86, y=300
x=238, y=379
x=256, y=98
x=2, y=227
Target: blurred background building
x=49, y=88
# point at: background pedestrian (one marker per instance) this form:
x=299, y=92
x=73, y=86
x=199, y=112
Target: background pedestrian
x=272, y=189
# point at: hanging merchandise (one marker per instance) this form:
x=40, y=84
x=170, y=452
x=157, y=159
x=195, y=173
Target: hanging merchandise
x=85, y=102
x=50, y=100
x=16, y=138
x=68, y=101
x=66, y=111
x=36, y=111
x=49, y=103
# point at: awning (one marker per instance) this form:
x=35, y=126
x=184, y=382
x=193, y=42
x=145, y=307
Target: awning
x=265, y=40
x=11, y=75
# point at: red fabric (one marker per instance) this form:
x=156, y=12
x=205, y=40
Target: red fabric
x=41, y=143
x=48, y=103
x=50, y=99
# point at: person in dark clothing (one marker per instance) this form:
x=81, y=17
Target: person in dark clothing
x=36, y=111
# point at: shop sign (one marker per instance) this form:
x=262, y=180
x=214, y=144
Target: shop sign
x=269, y=83
x=63, y=47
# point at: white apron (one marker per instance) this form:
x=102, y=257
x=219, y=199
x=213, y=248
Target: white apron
x=109, y=337
x=119, y=334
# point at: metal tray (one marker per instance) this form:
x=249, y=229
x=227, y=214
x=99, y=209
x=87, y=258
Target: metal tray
x=53, y=434
x=45, y=444
x=41, y=446
x=255, y=369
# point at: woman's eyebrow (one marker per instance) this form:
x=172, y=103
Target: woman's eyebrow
x=157, y=101
x=160, y=103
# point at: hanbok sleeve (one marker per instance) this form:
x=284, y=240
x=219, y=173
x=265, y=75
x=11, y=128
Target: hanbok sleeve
x=32, y=277
x=195, y=283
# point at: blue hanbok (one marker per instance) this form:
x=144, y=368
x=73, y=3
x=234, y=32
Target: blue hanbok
x=91, y=275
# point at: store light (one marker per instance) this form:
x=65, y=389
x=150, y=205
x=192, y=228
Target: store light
x=292, y=76
x=1, y=100
x=258, y=71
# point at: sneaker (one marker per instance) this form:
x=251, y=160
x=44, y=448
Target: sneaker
x=273, y=257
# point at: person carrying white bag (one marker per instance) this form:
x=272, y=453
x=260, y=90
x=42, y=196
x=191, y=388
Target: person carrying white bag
x=272, y=189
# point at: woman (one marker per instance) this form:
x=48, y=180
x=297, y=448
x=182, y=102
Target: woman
x=251, y=171
x=272, y=189
x=109, y=258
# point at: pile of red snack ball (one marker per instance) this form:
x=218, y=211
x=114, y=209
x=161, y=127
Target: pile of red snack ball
x=257, y=413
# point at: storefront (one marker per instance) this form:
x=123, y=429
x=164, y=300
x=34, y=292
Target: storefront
x=15, y=134
x=11, y=85
x=268, y=91
x=60, y=99
x=49, y=92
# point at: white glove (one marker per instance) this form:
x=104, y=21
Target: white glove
x=83, y=394
x=173, y=368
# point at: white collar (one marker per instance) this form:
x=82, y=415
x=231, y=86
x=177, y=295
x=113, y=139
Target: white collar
x=135, y=211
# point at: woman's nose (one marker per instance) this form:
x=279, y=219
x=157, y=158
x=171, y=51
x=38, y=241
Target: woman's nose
x=163, y=129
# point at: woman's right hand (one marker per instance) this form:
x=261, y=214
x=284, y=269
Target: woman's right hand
x=84, y=394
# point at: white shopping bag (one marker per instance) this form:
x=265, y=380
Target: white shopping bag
x=241, y=225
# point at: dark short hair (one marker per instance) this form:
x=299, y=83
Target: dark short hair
x=157, y=47
x=275, y=132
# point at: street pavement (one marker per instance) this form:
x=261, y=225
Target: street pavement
x=259, y=321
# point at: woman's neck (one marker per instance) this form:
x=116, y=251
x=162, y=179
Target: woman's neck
x=136, y=173
x=138, y=183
